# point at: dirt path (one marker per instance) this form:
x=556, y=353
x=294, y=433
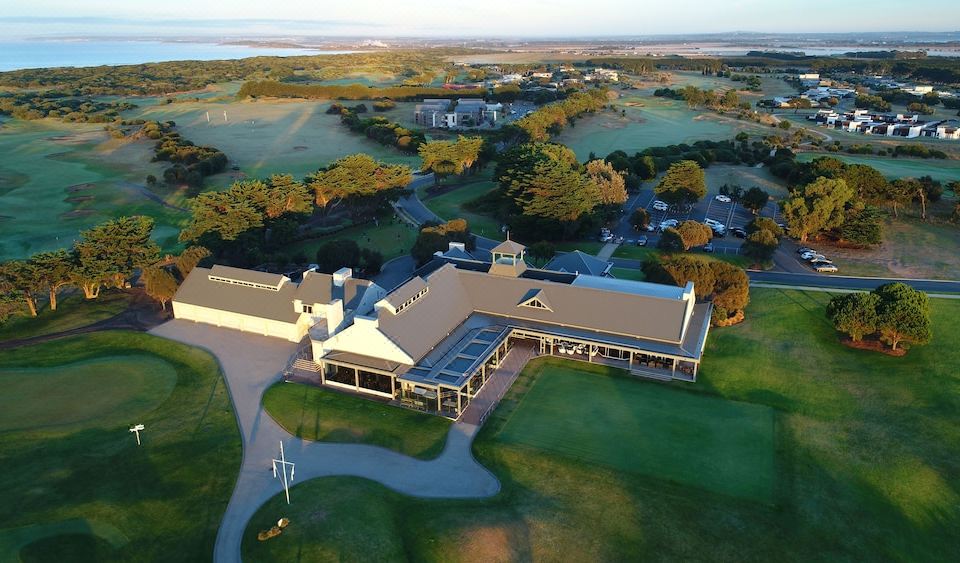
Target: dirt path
x=143, y=191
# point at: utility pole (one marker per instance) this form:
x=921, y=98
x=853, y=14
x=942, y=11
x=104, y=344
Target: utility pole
x=283, y=463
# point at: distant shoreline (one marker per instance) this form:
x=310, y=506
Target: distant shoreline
x=79, y=52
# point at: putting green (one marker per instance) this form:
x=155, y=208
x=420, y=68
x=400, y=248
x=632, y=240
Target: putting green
x=587, y=413
x=100, y=392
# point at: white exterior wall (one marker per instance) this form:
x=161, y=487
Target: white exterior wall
x=362, y=337
x=266, y=327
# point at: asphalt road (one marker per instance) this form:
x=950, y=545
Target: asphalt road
x=792, y=270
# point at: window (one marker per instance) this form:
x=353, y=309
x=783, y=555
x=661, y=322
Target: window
x=411, y=301
x=308, y=309
x=536, y=304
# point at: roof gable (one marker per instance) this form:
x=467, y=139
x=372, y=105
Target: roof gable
x=536, y=299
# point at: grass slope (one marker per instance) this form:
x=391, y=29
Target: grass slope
x=73, y=311
x=867, y=464
x=594, y=414
x=159, y=502
x=450, y=205
x=319, y=414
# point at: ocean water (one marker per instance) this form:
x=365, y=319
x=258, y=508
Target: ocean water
x=55, y=53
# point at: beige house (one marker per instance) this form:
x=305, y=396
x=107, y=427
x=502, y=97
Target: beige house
x=273, y=305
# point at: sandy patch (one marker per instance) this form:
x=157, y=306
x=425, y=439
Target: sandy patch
x=80, y=187
x=78, y=198
x=487, y=544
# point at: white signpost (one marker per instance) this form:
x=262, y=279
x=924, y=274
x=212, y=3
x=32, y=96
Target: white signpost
x=283, y=463
x=136, y=429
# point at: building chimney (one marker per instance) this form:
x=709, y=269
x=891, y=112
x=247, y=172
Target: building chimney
x=341, y=276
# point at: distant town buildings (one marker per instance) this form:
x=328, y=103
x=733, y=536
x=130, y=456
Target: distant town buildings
x=466, y=112
x=888, y=125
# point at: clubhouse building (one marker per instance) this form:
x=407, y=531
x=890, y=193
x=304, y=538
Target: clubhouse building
x=435, y=340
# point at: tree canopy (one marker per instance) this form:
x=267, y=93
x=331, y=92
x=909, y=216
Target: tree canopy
x=246, y=205
x=683, y=184
x=817, y=207
x=895, y=313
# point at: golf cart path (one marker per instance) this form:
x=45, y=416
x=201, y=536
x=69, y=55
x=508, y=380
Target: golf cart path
x=250, y=365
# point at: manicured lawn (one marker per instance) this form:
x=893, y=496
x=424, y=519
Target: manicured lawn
x=73, y=311
x=644, y=252
x=67, y=406
x=449, y=205
x=638, y=427
x=628, y=274
x=867, y=457
x=390, y=238
x=319, y=414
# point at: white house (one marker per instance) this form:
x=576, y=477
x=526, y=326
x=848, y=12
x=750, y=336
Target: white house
x=273, y=305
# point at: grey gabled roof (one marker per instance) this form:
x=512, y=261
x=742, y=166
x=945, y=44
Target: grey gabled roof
x=578, y=262
x=633, y=309
x=202, y=291
x=401, y=294
x=199, y=290
x=316, y=288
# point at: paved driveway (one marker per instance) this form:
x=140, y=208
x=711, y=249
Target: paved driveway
x=251, y=364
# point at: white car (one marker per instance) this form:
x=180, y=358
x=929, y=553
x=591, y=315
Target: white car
x=660, y=205
x=723, y=198
x=669, y=223
x=814, y=257
x=714, y=224
x=826, y=268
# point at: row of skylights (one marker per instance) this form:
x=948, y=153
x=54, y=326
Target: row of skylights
x=244, y=283
x=411, y=301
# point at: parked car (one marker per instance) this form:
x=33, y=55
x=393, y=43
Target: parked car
x=723, y=198
x=651, y=228
x=821, y=261
x=714, y=224
x=815, y=258
x=642, y=241
x=719, y=231
x=660, y=205
x=606, y=237
x=668, y=223
x=825, y=268
x=739, y=232
x=708, y=247
x=804, y=249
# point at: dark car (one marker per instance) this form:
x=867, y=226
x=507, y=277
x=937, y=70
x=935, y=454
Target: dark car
x=708, y=247
x=642, y=241
x=739, y=232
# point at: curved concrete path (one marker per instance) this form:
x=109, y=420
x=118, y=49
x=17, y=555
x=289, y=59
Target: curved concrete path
x=250, y=365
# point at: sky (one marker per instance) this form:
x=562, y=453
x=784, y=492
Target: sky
x=472, y=18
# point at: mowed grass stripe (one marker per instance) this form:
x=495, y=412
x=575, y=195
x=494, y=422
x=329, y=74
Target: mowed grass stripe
x=650, y=429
